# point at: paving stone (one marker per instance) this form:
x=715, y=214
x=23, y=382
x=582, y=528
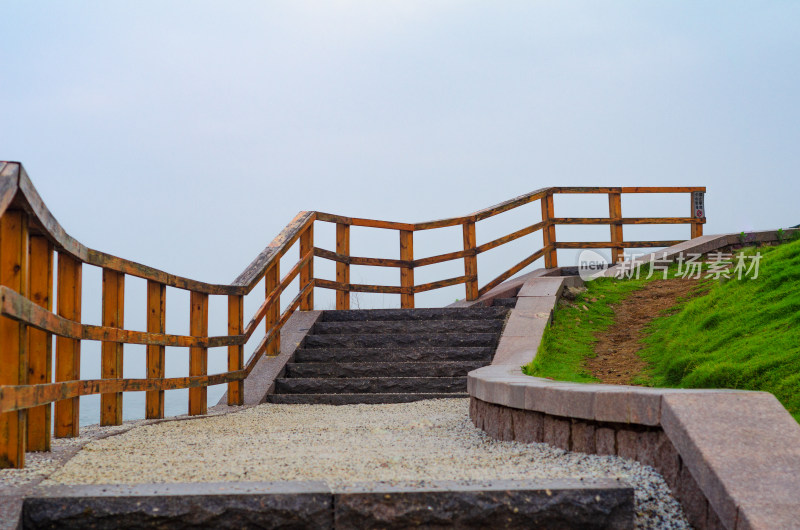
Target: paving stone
x=605, y=441
x=495, y=504
x=583, y=437
x=627, y=443
x=542, y=287
x=557, y=432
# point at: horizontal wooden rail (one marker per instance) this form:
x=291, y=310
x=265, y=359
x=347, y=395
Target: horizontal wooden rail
x=32, y=236
x=15, y=306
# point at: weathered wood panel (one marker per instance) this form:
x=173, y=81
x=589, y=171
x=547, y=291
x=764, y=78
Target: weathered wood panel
x=615, y=213
x=343, y=268
x=68, y=349
x=198, y=355
x=19, y=397
x=357, y=260
x=13, y=335
x=307, y=271
x=111, y=352
x=236, y=352
x=360, y=288
x=407, y=273
x=40, y=343
x=272, y=290
x=441, y=283
x=156, y=323
x=471, y=261
x=549, y=233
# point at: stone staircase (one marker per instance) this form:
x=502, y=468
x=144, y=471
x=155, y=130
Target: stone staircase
x=391, y=355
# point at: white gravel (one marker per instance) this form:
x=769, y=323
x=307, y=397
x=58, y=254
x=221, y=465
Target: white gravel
x=342, y=445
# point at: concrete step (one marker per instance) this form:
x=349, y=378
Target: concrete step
x=352, y=399
x=418, y=369
x=408, y=326
x=370, y=385
x=510, y=303
x=443, y=313
x=397, y=340
x=413, y=354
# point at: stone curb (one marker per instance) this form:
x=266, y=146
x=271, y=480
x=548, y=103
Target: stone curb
x=735, y=460
x=565, y=503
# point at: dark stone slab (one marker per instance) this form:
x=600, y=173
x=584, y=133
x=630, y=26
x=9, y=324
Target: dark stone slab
x=562, y=504
x=445, y=313
x=408, y=354
x=397, y=369
x=235, y=505
x=371, y=385
x=380, y=340
x=353, y=399
x=410, y=326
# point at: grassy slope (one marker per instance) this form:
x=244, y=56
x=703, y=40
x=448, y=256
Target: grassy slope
x=741, y=334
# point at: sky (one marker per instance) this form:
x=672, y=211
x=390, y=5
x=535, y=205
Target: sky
x=186, y=134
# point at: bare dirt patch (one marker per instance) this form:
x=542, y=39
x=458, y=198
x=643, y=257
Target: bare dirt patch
x=616, y=360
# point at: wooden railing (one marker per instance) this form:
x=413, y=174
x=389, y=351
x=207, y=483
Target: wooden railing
x=30, y=237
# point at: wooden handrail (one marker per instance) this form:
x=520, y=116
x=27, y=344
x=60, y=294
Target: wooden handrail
x=26, y=311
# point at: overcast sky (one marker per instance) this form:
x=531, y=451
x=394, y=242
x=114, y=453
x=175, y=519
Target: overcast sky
x=185, y=135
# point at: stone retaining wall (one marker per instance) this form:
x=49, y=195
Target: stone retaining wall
x=731, y=457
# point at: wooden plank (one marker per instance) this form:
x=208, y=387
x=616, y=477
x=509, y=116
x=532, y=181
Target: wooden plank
x=235, y=353
x=68, y=350
x=343, y=268
x=624, y=244
x=19, y=397
x=156, y=323
x=40, y=343
x=443, y=223
x=615, y=214
x=9, y=178
x=277, y=248
x=407, y=273
x=697, y=225
x=549, y=233
x=111, y=352
x=274, y=333
x=357, y=260
x=623, y=220
x=20, y=308
x=387, y=289
x=470, y=262
x=459, y=254
x=511, y=237
x=271, y=286
x=307, y=271
x=13, y=335
x=662, y=189
x=512, y=271
x=585, y=189
x=198, y=355
x=510, y=204
x=442, y=283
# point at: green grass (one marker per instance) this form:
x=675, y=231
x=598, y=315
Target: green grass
x=742, y=334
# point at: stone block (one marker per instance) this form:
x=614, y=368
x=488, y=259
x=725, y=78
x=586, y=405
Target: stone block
x=557, y=431
x=647, y=446
x=691, y=498
x=667, y=460
x=493, y=504
x=627, y=443
x=605, y=441
x=542, y=287
x=528, y=426
x=212, y=505
x=583, y=437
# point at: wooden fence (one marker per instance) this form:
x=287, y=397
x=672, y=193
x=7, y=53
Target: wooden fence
x=34, y=383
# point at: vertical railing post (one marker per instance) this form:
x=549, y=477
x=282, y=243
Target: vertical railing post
x=271, y=280
x=235, y=351
x=549, y=232
x=615, y=215
x=198, y=355
x=470, y=260
x=407, y=273
x=40, y=343
x=307, y=272
x=13, y=334
x=156, y=323
x=698, y=212
x=111, y=352
x=68, y=351
x=343, y=269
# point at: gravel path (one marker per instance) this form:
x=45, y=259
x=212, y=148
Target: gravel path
x=397, y=443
